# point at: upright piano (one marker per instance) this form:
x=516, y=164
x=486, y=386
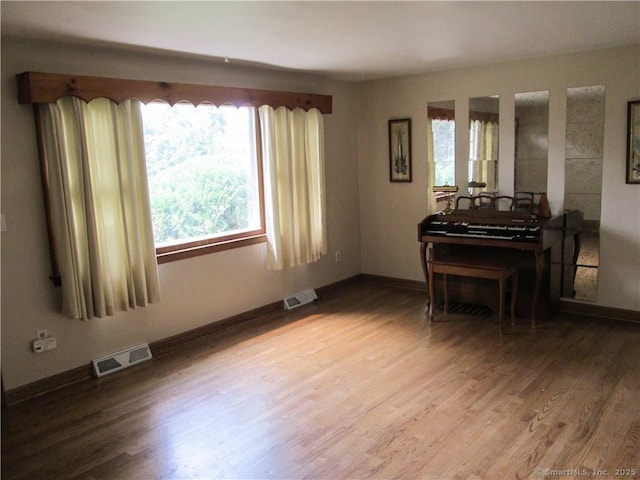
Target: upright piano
x=519, y=238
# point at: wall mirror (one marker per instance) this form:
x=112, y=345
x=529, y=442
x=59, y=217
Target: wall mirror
x=531, y=141
x=583, y=187
x=484, y=126
x=442, y=141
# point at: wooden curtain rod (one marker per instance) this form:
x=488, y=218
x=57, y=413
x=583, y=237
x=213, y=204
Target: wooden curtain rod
x=436, y=113
x=35, y=87
x=447, y=114
x=484, y=116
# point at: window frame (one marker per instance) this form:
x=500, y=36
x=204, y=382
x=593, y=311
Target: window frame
x=438, y=113
x=219, y=243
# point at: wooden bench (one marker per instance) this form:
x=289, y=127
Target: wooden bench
x=500, y=271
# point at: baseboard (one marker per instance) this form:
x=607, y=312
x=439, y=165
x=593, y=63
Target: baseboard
x=175, y=342
x=48, y=384
x=598, y=311
x=327, y=289
x=566, y=306
x=162, y=347
x=394, y=282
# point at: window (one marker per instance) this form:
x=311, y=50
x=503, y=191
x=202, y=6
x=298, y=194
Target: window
x=243, y=216
x=444, y=142
x=204, y=175
x=484, y=127
x=441, y=151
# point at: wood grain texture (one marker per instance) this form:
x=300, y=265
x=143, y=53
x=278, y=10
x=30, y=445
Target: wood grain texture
x=38, y=87
x=358, y=385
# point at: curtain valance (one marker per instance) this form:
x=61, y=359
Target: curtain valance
x=484, y=117
x=435, y=113
x=35, y=87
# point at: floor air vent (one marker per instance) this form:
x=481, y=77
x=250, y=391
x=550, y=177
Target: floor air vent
x=117, y=361
x=299, y=299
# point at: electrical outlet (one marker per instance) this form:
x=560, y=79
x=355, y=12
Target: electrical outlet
x=42, y=334
x=44, y=344
x=338, y=256
x=50, y=343
x=38, y=346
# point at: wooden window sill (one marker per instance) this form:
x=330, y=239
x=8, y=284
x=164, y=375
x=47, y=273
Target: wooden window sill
x=190, y=252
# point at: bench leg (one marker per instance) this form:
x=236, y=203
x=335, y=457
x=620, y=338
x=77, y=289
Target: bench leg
x=446, y=296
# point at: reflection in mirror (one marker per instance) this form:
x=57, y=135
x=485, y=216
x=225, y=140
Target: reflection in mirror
x=442, y=141
x=483, y=144
x=583, y=187
x=532, y=141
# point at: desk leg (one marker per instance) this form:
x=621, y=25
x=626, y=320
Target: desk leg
x=423, y=260
x=425, y=256
x=431, y=294
x=425, y=267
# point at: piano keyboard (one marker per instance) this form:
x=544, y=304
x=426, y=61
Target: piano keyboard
x=518, y=233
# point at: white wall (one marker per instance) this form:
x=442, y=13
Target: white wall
x=390, y=211
x=196, y=291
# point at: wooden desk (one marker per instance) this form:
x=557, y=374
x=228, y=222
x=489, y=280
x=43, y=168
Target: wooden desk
x=494, y=270
x=514, y=238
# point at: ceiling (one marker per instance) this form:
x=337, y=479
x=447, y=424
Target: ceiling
x=356, y=40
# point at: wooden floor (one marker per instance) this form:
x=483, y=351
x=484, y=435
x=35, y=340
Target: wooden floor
x=355, y=386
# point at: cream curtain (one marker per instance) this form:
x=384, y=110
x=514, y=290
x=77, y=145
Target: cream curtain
x=293, y=157
x=483, y=152
x=100, y=206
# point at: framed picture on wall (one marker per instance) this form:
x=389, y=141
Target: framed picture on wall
x=633, y=142
x=400, y=150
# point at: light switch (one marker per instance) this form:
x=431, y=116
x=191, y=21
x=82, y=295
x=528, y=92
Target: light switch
x=3, y=224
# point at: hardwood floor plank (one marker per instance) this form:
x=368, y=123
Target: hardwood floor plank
x=357, y=385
